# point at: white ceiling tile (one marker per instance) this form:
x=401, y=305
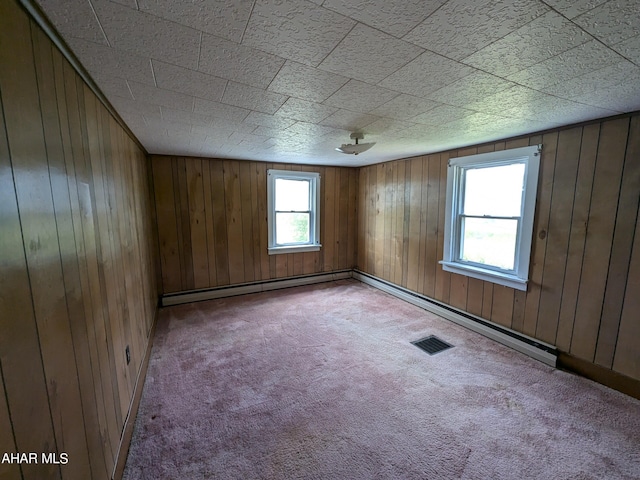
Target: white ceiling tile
x=223, y=129
x=591, y=83
x=369, y=55
x=190, y=82
x=267, y=131
x=573, y=8
x=157, y=96
x=395, y=17
x=460, y=27
x=630, y=48
x=127, y=3
x=306, y=82
x=239, y=137
x=295, y=29
x=223, y=18
x=441, y=115
x=148, y=35
x=271, y=121
x=426, y=74
x=613, y=21
x=238, y=62
x=112, y=86
x=305, y=111
x=478, y=122
x=620, y=98
x=132, y=106
x=558, y=110
x=348, y=120
x=469, y=89
x=516, y=100
x=134, y=120
x=360, y=97
x=97, y=57
x=537, y=41
x=303, y=130
x=223, y=111
x=388, y=126
x=404, y=107
x=190, y=118
x=165, y=125
x=74, y=18
x=562, y=75
x=582, y=59
x=252, y=98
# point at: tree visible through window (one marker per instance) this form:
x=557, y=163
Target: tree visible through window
x=293, y=211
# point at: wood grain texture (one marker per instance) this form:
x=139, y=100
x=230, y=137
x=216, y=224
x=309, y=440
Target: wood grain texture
x=226, y=222
x=78, y=282
x=582, y=294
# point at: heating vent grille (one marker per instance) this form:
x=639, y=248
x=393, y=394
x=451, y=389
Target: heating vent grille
x=432, y=344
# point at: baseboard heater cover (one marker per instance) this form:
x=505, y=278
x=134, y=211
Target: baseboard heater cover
x=253, y=287
x=522, y=343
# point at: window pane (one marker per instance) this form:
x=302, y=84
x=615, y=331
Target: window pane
x=489, y=241
x=292, y=228
x=495, y=191
x=292, y=195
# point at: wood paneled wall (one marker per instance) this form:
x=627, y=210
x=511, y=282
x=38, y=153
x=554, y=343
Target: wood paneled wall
x=77, y=282
x=584, y=289
x=212, y=223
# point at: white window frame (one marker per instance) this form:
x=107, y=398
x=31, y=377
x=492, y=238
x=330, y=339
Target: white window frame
x=518, y=277
x=314, y=211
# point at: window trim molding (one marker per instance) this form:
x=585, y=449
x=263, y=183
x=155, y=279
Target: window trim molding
x=518, y=278
x=314, y=204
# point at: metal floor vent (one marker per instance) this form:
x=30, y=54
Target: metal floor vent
x=432, y=344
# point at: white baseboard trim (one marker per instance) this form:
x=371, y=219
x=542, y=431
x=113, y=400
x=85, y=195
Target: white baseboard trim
x=522, y=343
x=254, y=287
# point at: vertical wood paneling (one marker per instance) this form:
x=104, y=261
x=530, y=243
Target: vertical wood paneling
x=7, y=443
x=617, y=283
x=442, y=279
x=627, y=354
x=378, y=234
x=208, y=216
x=398, y=215
x=226, y=222
x=78, y=281
x=597, y=254
x=432, y=229
x=65, y=399
x=577, y=235
x=563, y=188
x=540, y=229
x=19, y=344
x=414, y=204
x=198, y=224
x=579, y=293
x=328, y=211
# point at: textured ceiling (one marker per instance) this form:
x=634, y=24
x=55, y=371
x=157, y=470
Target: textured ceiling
x=289, y=80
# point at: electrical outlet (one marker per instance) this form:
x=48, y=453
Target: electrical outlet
x=128, y=354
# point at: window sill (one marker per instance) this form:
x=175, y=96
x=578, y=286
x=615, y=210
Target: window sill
x=487, y=275
x=294, y=249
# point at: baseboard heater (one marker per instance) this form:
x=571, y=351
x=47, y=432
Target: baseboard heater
x=522, y=343
x=252, y=287
x=529, y=346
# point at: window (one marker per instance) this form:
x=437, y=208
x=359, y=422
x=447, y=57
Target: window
x=489, y=215
x=293, y=211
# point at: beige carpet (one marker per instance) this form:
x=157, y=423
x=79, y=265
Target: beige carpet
x=322, y=382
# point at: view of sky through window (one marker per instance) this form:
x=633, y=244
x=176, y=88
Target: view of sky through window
x=292, y=211
x=491, y=192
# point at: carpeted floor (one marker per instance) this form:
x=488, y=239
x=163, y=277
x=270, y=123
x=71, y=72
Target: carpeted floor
x=322, y=382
